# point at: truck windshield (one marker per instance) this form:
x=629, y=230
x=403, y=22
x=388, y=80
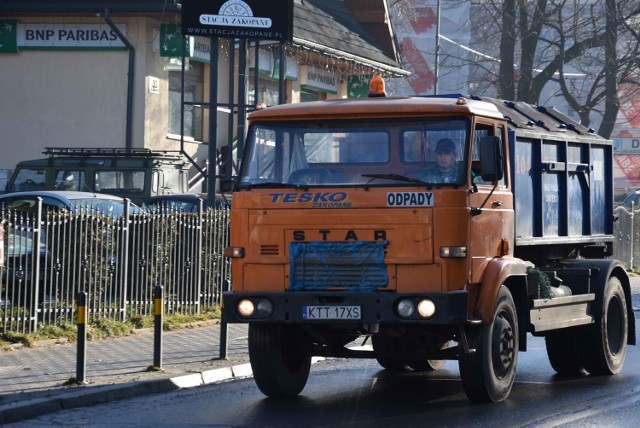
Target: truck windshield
x=431, y=151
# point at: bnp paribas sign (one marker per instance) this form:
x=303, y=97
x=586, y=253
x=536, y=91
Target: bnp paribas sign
x=239, y=19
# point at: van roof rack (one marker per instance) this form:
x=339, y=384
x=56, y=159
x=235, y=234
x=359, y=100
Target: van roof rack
x=111, y=152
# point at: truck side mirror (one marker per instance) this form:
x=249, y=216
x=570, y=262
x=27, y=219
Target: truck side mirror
x=226, y=165
x=491, y=159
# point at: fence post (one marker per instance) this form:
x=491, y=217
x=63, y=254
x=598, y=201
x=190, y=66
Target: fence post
x=1, y=244
x=124, y=252
x=224, y=328
x=199, y=258
x=36, y=245
x=158, y=311
x=81, y=359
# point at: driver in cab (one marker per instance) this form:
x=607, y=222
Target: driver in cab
x=446, y=169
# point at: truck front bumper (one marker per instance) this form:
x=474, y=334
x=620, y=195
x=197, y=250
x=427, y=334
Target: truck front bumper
x=343, y=307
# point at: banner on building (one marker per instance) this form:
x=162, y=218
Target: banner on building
x=16, y=36
x=318, y=80
x=8, y=38
x=239, y=19
x=628, y=145
x=627, y=170
x=172, y=44
x=630, y=105
x=358, y=86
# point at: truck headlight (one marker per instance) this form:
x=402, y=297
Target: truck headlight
x=426, y=308
x=415, y=308
x=245, y=308
x=405, y=308
x=264, y=308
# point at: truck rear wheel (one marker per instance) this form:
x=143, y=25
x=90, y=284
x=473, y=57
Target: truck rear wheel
x=489, y=372
x=605, y=344
x=429, y=365
x=426, y=365
x=564, y=353
x=278, y=359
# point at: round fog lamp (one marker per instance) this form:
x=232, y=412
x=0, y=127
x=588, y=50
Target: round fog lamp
x=405, y=308
x=426, y=308
x=264, y=308
x=245, y=308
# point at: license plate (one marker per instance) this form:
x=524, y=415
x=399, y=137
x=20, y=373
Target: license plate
x=331, y=312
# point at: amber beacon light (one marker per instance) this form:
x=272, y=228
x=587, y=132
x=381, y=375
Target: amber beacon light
x=376, y=87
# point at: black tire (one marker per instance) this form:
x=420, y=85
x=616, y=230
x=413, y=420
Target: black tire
x=426, y=365
x=393, y=365
x=429, y=365
x=488, y=374
x=605, y=343
x=564, y=353
x=382, y=343
x=278, y=359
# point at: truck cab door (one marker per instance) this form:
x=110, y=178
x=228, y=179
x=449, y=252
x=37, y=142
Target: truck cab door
x=491, y=203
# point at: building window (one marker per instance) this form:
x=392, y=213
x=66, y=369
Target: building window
x=268, y=92
x=307, y=95
x=193, y=90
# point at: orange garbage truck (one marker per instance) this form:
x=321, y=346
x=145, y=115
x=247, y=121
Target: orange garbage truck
x=430, y=229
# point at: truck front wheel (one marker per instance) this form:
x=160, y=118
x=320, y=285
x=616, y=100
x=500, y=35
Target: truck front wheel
x=278, y=359
x=605, y=344
x=489, y=372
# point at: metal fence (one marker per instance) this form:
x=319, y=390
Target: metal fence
x=51, y=256
x=119, y=261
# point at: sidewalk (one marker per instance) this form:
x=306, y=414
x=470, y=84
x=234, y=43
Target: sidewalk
x=32, y=380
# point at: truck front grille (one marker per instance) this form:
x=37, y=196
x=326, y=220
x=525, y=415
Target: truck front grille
x=351, y=265
x=269, y=250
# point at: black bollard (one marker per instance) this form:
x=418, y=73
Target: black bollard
x=158, y=312
x=81, y=321
x=224, y=329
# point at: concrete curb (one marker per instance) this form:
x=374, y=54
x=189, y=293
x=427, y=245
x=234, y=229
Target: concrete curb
x=21, y=410
x=210, y=376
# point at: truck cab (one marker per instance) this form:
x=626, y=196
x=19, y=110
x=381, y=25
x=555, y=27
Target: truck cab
x=398, y=220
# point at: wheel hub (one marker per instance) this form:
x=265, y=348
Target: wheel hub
x=503, y=346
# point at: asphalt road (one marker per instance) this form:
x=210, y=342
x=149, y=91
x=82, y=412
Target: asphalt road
x=358, y=393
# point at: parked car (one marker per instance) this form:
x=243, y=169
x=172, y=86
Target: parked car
x=53, y=248
x=632, y=198
x=20, y=249
x=184, y=202
x=71, y=201
x=128, y=173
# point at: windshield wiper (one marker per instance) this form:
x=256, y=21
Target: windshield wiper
x=274, y=184
x=397, y=177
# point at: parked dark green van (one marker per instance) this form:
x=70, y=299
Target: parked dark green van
x=135, y=174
